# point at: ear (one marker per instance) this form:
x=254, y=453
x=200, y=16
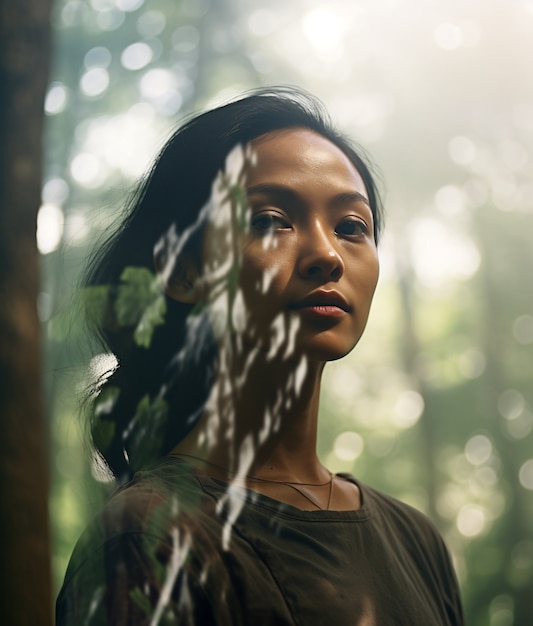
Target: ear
x=183, y=284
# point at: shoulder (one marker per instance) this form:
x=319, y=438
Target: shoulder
x=152, y=498
x=152, y=503
x=413, y=537
x=402, y=526
x=153, y=532
x=397, y=513
x=412, y=532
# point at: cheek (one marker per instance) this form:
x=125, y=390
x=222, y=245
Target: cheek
x=363, y=278
x=218, y=254
x=258, y=284
x=367, y=268
x=374, y=274
x=265, y=271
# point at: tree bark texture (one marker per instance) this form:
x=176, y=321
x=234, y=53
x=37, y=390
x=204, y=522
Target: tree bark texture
x=24, y=531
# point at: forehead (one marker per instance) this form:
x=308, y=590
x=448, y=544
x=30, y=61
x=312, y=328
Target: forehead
x=301, y=152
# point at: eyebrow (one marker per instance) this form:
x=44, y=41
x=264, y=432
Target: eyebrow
x=287, y=194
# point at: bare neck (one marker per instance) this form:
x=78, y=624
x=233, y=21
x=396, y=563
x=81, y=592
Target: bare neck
x=260, y=419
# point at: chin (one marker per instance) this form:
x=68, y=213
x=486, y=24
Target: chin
x=324, y=351
x=328, y=346
x=319, y=347
x=326, y=355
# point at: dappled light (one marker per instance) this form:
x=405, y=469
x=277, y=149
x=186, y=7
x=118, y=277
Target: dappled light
x=434, y=405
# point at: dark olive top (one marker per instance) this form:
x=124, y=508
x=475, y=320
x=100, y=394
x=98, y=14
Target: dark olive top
x=172, y=547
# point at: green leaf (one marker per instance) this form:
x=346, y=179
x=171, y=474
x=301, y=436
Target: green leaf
x=153, y=316
x=140, y=303
x=141, y=601
x=147, y=431
x=135, y=294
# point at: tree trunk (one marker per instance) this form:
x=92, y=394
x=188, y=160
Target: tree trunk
x=24, y=535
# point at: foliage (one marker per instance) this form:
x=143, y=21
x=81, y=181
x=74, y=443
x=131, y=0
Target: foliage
x=435, y=404
x=140, y=303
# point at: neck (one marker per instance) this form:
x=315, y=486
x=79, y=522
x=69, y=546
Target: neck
x=260, y=419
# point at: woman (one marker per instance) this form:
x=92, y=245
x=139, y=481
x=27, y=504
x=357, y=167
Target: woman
x=260, y=223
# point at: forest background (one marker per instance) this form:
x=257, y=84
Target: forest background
x=435, y=406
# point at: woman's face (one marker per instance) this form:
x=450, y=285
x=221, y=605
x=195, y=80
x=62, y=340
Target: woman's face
x=308, y=264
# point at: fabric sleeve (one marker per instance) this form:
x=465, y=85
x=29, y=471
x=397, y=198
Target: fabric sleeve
x=450, y=585
x=436, y=565
x=133, y=580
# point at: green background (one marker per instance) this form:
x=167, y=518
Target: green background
x=435, y=404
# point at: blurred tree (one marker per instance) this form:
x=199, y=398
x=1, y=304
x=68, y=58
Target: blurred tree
x=24, y=542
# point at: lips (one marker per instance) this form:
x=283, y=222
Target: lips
x=322, y=298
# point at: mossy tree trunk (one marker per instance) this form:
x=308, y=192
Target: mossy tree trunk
x=24, y=537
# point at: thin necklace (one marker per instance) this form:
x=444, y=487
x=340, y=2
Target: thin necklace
x=295, y=485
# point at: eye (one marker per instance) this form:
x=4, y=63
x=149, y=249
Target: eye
x=267, y=222
x=352, y=228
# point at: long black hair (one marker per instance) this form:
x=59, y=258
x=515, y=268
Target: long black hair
x=149, y=402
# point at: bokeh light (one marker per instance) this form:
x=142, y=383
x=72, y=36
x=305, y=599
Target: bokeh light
x=87, y=170
x=151, y=24
x=471, y=520
x=434, y=404
x=523, y=329
x=136, y=56
x=324, y=30
x=441, y=255
x=100, y=56
x=478, y=449
x=129, y=5
x=408, y=409
x=94, y=82
x=50, y=222
x=462, y=150
x=55, y=191
x=511, y=403
x=526, y=475
x=56, y=99
x=348, y=446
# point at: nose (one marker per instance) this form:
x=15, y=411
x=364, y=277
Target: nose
x=319, y=257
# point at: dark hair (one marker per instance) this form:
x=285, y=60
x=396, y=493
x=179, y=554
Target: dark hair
x=154, y=396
